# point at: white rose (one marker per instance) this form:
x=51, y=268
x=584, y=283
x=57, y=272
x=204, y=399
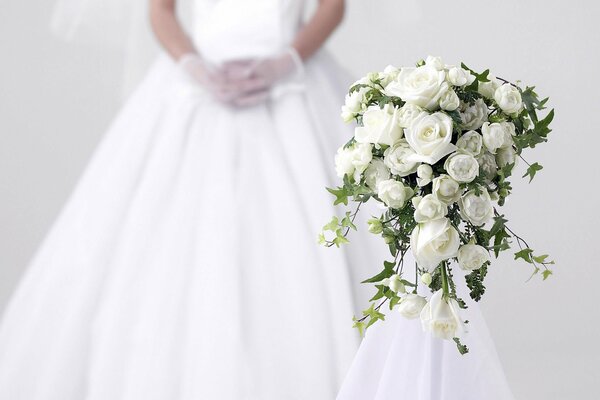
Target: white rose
x=396, y=158
x=487, y=89
x=411, y=305
x=430, y=137
x=389, y=74
x=473, y=116
x=497, y=135
x=462, y=167
x=477, y=209
x=343, y=162
x=470, y=142
x=361, y=157
x=393, y=193
x=354, y=104
x=459, y=77
x=408, y=113
x=422, y=86
x=441, y=317
x=424, y=175
x=435, y=62
x=505, y=156
x=353, y=160
x=446, y=189
x=433, y=242
x=472, y=257
x=429, y=208
x=380, y=126
x=487, y=166
x=394, y=282
x=449, y=100
x=508, y=99
x=375, y=173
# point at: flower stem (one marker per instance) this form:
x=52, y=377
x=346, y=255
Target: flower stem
x=444, y=275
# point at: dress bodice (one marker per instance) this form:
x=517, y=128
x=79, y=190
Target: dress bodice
x=236, y=29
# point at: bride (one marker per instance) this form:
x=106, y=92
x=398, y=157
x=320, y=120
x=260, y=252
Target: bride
x=185, y=264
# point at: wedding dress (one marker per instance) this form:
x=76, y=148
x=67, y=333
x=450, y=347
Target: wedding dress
x=185, y=264
x=397, y=360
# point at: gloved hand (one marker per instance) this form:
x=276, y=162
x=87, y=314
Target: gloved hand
x=220, y=82
x=259, y=77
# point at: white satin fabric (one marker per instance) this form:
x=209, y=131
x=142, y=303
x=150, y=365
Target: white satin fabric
x=398, y=361
x=184, y=265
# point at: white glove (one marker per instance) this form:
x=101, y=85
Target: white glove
x=259, y=77
x=220, y=82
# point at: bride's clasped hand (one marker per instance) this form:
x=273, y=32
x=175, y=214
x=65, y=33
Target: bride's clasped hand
x=242, y=83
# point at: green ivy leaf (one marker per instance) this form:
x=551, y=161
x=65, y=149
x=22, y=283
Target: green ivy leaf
x=525, y=254
x=341, y=195
x=532, y=170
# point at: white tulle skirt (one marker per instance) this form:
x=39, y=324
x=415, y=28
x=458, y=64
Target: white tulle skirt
x=185, y=264
x=398, y=361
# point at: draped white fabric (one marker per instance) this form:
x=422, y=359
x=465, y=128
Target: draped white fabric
x=185, y=263
x=398, y=361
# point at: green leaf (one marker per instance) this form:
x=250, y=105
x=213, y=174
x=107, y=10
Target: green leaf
x=462, y=349
x=360, y=325
x=332, y=225
x=347, y=221
x=532, y=170
x=525, y=254
x=341, y=195
x=546, y=274
x=388, y=270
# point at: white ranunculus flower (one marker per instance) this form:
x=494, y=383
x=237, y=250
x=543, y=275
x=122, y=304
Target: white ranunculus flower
x=449, y=100
x=435, y=62
x=380, y=126
x=487, y=165
x=421, y=86
x=394, y=282
x=353, y=161
x=375, y=173
x=474, y=115
x=408, y=113
x=459, y=77
x=433, y=242
x=472, y=256
x=508, y=99
x=430, y=137
x=354, y=104
x=396, y=158
x=429, y=208
x=424, y=175
x=394, y=193
x=441, y=317
x=446, y=189
x=411, y=305
x=487, y=89
x=470, y=142
x=497, y=135
x=462, y=167
x=477, y=209
x=505, y=156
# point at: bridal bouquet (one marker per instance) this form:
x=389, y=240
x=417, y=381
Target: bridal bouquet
x=436, y=145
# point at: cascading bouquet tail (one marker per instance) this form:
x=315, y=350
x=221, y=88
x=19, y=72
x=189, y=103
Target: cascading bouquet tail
x=436, y=145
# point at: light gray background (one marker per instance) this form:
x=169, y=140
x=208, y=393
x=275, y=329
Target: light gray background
x=56, y=100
